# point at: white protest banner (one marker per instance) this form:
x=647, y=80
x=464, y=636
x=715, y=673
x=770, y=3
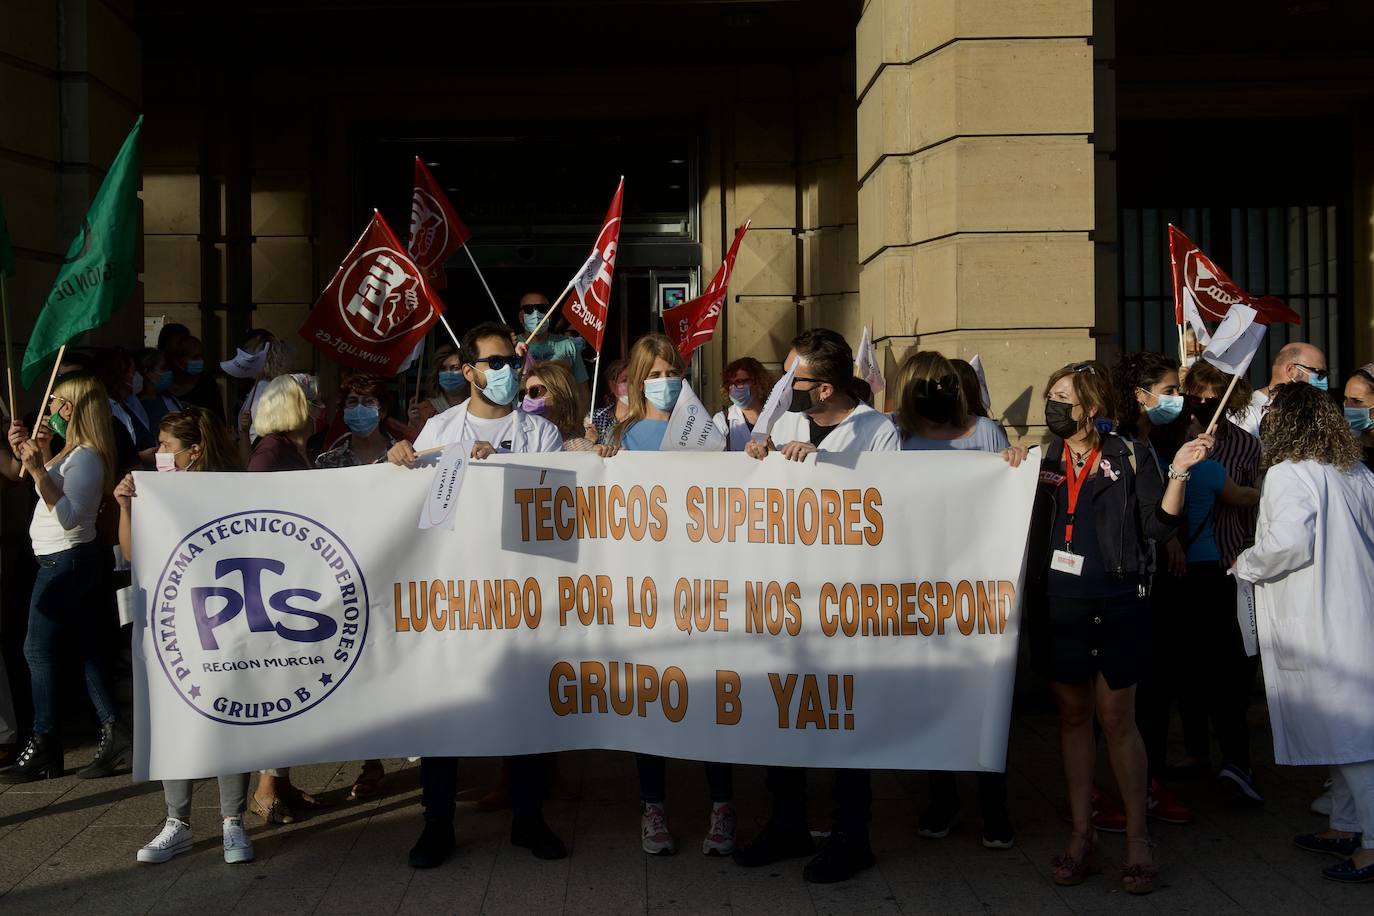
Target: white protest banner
x=690, y=427
x=861, y=612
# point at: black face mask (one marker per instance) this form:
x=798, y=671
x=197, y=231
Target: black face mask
x=937, y=409
x=801, y=400
x=1059, y=419
x=1204, y=410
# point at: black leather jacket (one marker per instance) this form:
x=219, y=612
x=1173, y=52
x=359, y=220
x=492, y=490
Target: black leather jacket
x=1127, y=510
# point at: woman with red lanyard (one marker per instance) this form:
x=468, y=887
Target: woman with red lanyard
x=1086, y=590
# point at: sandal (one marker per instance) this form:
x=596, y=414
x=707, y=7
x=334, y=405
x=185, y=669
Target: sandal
x=302, y=799
x=275, y=812
x=1139, y=878
x=1068, y=871
x=369, y=781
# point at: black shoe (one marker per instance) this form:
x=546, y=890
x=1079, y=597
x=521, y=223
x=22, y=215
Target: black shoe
x=115, y=751
x=841, y=858
x=773, y=844
x=40, y=758
x=434, y=845
x=997, y=830
x=530, y=832
x=937, y=821
x=1332, y=846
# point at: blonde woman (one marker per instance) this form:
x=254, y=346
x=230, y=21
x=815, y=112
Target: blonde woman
x=72, y=595
x=549, y=390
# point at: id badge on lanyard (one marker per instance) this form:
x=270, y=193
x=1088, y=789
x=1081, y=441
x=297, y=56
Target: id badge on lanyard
x=1066, y=561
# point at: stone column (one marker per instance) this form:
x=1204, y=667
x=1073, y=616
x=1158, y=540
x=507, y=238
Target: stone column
x=979, y=189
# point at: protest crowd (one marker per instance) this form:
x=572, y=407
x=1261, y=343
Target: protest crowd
x=1165, y=487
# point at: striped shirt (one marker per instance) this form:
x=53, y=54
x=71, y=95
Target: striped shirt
x=1238, y=452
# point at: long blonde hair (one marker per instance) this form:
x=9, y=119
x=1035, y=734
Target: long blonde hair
x=640, y=363
x=91, y=424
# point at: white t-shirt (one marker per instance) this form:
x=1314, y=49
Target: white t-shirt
x=455, y=425
x=986, y=436
x=864, y=430
x=71, y=522
x=1249, y=419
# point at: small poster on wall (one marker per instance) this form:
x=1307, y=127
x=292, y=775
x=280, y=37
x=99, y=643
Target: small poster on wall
x=671, y=295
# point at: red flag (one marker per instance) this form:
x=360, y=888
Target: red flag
x=1213, y=291
x=436, y=232
x=377, y=307
x=693, y=323
x=590, y=298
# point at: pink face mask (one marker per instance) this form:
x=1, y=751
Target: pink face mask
x=166, y=461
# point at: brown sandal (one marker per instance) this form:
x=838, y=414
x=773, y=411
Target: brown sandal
x=1139, y=878
x=1068, y=871
x=275, y=813
x=369, y=781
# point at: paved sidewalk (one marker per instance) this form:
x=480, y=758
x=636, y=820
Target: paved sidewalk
x=67, y=846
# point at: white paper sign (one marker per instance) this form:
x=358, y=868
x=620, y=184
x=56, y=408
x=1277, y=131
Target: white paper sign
x=779, y=399
x=439, y=510
x=690, y=427
x=1245, y=616
x=702, y=606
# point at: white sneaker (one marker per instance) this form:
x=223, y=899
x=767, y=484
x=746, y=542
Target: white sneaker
x=720, y=835
x=655, y=838
x=174, y=839
x=237, y=846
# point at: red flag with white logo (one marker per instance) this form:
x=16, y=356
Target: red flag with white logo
x=1203, y=291
x=436, y=231
x=694, y=323
x=377, y=308
x=589, y=298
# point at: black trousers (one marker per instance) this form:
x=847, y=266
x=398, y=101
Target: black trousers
x=653, y=777
x=853, y=799
x=439, y=785
x=992, y=792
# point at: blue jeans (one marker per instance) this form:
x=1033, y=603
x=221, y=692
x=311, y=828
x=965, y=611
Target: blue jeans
x=71, y=597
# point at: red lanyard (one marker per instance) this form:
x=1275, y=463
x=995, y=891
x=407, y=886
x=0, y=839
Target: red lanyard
x=1075, y=487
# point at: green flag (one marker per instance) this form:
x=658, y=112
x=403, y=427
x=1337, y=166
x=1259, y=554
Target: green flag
x=97, y=275
x=6, y=250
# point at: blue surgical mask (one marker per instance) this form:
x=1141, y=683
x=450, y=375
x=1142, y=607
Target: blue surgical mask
x=662, y=392
x=1359, y=418
x=452, y=380
x=164, y=381
x=1167, y=410
x=532, y=320
x=195, y=366
x=741, y=395
x=1318, y=383
x=361, y=420
x=501, y=385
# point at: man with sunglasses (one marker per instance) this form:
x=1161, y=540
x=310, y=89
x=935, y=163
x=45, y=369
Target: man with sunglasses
x=488, y=419
x=491, y=423
x=1296, y=362
x=548, y=347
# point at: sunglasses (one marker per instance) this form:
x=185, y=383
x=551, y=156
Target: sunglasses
x=1083, y=367
x=1316, y=373
x=534, y=391
x=500, y=362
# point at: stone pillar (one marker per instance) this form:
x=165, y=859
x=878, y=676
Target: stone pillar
x=978, y=188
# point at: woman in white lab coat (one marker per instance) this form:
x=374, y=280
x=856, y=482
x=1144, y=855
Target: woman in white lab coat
x=744, y=385
x=1313, y=571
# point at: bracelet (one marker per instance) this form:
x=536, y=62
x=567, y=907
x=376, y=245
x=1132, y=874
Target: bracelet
x=1178, y=475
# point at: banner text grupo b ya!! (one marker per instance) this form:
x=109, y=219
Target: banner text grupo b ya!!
x=841, y=612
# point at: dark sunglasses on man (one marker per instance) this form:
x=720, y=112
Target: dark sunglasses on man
x=499, y=362
x=1318, y=374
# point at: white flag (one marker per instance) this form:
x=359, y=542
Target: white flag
x=414, y=355
x=779, y=399
x=1194, y=317
x=1236, y=340
x=438, y=510
x=977, y=364
x=586, y=274
x=866, y=362
x=690, y=427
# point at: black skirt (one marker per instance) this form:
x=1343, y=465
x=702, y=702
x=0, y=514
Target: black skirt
x=1083, y=636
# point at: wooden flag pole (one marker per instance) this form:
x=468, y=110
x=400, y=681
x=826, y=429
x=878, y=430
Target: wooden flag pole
x=9, y=348
x=1182, y=346
x=490, y=295
x=47, y=395
x=1212, y=427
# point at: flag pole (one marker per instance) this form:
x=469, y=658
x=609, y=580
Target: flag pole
x=1212, y=427
x=9, y=347
x=47, y=395
x=1182, y=347
x=419, y=370
x=591, y=400
x=490, y=295
x=447, y=327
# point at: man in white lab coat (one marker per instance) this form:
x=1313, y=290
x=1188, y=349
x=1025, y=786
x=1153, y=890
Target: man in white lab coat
x=1295, y=362
x=1312, y=567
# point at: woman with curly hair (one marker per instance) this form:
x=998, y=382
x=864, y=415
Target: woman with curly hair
x=1312, y=568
